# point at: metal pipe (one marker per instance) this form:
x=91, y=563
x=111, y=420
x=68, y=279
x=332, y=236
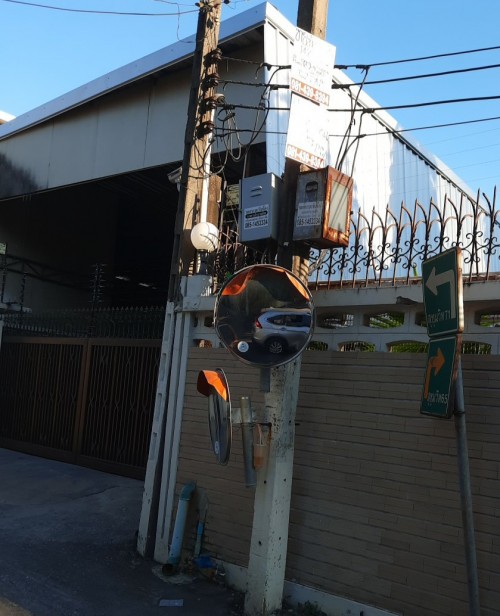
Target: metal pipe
x=247, y=437
x=466, y=496
x=174, y=556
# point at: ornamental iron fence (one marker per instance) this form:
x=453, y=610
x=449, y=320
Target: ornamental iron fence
x=387, y=248
x=131, y=322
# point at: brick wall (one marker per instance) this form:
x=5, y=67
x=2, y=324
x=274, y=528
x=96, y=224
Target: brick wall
x=375, y=512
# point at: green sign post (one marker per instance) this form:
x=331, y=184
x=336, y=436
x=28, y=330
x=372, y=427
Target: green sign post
x=443, y=301
x=443, y=394
x=444, y=312
x=440, y=375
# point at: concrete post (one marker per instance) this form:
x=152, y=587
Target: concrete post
x=268, y=549
x=266, y=567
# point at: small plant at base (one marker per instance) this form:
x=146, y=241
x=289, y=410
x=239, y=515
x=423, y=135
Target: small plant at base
x=310, y=609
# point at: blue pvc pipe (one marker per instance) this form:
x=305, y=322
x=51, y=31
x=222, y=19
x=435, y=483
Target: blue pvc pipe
x=174, y=556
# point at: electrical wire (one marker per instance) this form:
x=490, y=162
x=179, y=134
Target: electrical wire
x=405, y=130
x=94, y=12
x=226, y=130
x=226, y=133
x=178, y=4
x=341, y=86
x=389, y=130
x=256, y=63
x=472, y=99
x=439, y=55
x=277, y=86
x=256, y=107
x=354, y=101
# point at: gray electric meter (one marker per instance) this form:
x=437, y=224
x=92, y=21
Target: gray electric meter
x=259, y=199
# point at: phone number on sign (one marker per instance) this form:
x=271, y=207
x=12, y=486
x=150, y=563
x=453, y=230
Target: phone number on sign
x=310, y=92
x=250, y=224
x=316, y=162
x=306, y=222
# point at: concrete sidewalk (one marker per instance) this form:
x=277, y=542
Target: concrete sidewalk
x=67, y=548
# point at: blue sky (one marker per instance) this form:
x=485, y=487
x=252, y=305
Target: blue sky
x=45, y=53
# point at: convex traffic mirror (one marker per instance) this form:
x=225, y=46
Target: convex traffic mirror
x=264, y=315
x=213, y=384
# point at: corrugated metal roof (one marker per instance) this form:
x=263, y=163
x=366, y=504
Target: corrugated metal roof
x=5, y=117
x=239, y=31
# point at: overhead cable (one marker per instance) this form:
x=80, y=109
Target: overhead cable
x=439, y=55
x=405, y=130
x=391, y=130
x=342, y=86
x=94, y=12
x=414, y=105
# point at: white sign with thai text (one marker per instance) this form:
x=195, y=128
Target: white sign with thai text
x=311, y=74
x=308, y=129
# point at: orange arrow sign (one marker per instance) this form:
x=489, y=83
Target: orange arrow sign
x=435, y=363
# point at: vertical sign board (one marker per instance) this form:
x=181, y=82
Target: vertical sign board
x=312, y=67
x=440, y=375
x=311, y=78
x=308, y=130
x=443, y=302
x=443, y=295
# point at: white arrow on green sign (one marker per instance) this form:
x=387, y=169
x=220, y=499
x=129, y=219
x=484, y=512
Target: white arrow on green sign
x=443, y=297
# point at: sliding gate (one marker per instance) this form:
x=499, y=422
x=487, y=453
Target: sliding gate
x=87, y=401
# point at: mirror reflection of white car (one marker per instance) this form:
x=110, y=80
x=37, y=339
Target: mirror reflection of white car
x=282, y=331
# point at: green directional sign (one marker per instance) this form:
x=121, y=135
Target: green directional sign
x=443, y=297
x=440, y=374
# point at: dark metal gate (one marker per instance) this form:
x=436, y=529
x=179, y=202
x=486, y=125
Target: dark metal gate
x=87, y=401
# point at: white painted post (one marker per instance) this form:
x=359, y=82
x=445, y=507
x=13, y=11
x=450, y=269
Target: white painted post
x=268, y=549
x=173, y=434
x=149, y=511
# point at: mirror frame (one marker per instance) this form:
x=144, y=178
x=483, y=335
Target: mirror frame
x=239, y=281
x=213, y=384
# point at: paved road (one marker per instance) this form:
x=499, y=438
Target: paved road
x=67, y=547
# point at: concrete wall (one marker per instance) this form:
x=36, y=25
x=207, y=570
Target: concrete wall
x=375, y=514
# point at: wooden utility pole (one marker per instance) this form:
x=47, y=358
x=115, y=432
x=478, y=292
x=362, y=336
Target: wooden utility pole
x=312, y=16
x=193, y=187
x=159, y=482
x=269, y=543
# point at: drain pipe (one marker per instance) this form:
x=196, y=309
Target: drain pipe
x=247, y=437
x=174, y=556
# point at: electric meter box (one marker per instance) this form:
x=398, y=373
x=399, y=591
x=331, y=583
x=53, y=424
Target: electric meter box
x=259, y=201
x=323, y=208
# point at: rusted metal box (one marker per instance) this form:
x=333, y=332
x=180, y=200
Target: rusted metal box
x=323, y=208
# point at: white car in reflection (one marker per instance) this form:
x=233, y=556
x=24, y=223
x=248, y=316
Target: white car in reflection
x=282, y=330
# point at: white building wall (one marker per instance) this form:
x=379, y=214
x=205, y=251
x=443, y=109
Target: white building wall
x=388, y=169
x=142, y=125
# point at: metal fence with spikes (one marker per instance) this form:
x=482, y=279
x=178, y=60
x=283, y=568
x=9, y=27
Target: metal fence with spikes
x=134, y=322
x=388, y=248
